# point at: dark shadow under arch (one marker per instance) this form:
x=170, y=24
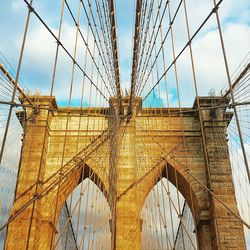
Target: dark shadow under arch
x=94, y=177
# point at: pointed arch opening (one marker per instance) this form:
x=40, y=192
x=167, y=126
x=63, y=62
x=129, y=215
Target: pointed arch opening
x=171, y=208
x=167, y=220
x=84, y=219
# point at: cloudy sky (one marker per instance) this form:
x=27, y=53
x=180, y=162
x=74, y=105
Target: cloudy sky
x=39, y=54
x=36, y=71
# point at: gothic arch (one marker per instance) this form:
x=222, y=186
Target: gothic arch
x=169, y=230
x=73, y=180
x=192, y=193
x=93, y=186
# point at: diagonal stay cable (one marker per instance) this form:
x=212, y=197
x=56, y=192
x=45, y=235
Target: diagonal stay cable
x=160, y=49
x=153, y=42
x=105, y=35
x=136, y=47
x=76, y=159
x=115, y=55
x=96, y=30
x=87, y=45
x=169, y=156
x=64, y=48
x=87, y=150
x=184, y=48
x=143, y=36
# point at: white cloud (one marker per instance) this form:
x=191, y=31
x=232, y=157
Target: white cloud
x=209, y=64
x=16, y=5
x=208, y=55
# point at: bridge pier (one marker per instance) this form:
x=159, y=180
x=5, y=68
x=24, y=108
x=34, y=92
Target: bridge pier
x=31, y=227
x=217, y=228
x=128, y=221
x=226, y=229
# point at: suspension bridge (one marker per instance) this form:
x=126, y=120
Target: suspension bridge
x=88, y=163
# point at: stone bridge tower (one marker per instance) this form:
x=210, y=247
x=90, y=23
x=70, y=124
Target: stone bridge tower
x=174, y=150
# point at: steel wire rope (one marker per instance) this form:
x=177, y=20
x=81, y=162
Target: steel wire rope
x=95, y=34
x=152, y=41
x=200, y=183
x=184, y=48
x=61, y=45
x=85, y=42
x=162, y=44
x=16, y=80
